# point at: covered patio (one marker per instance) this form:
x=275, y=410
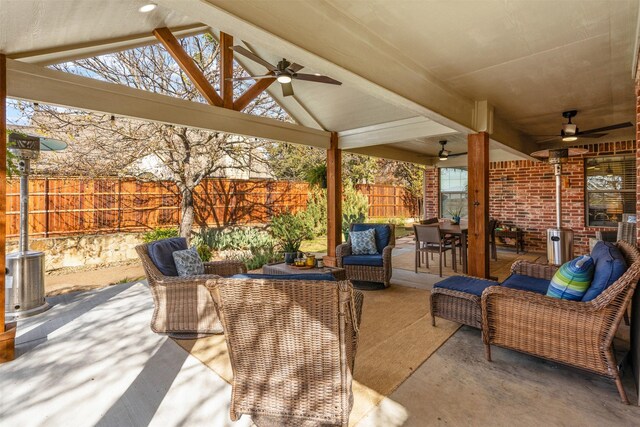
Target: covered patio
x=492, y=79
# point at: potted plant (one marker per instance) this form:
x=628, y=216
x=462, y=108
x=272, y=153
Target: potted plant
x=455, y=214
x=289, y=230
x=317, y=176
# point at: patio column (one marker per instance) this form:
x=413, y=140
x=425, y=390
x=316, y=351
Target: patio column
x=478, y=148
x=7, y=331
x=334, y=199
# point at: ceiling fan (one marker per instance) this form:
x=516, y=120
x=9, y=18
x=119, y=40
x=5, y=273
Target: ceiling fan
x=444, y=154
x=571, y=133
x=284, y=72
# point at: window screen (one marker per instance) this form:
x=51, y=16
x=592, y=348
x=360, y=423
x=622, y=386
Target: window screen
x=453, y=191
x=610, y=189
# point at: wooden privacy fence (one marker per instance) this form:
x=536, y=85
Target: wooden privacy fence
x=68, y=206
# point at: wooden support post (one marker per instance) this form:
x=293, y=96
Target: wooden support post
x=334, y=199
x=7, y=331
x=226, y=70
x=478, y=147
x=250, y=94
x=187, y=65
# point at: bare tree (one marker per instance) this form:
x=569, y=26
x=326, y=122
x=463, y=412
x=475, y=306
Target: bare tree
x=103, y=145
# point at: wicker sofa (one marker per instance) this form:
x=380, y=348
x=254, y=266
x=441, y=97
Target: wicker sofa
x=369, y=268
x=578, y=334
x=292, y=345
x=182, y=305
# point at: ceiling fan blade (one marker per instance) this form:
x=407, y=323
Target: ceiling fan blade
x=287, y=89
x=606, y=128
x=266, y=76
x=294, y=68
x=457, y=154
x=314, y=78
x=252, y=56
x=590, y=135
x=552, y=138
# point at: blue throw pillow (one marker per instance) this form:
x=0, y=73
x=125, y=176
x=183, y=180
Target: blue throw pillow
x=610, y=265
x=188, y=262
x=363, y=242
x=572, y=279
x=161, y=253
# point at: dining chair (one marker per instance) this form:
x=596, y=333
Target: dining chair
x=428, y=240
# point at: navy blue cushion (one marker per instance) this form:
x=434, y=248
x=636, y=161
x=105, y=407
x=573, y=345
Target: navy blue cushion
x=370, y=260
x=526, y=283
x=161, y=253
x=383, y=233
x=301, y=276
x=609, y=266
x=470, y=285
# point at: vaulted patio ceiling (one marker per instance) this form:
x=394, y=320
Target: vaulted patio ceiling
x=413, y=72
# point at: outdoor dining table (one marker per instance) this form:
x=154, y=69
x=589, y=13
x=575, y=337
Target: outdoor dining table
x=460, y=231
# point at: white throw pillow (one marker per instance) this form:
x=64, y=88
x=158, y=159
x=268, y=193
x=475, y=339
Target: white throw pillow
x=363, y=242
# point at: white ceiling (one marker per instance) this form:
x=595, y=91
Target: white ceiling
x=399, y=59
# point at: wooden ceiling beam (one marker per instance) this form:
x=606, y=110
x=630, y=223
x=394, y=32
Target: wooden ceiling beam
x=252, y=93
x=226, y=70
x=188, y=65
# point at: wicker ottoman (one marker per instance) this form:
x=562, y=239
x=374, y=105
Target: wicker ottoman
x=457, y=298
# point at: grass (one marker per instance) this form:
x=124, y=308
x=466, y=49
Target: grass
x=317, y=245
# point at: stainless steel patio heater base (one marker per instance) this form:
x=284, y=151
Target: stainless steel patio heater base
x=559, y=245
x=24, y=285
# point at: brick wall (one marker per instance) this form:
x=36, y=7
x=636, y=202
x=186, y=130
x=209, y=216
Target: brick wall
x=522, y=193
x=432, y=184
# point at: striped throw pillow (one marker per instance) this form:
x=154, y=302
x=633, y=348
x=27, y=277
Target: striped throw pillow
x=572, y=279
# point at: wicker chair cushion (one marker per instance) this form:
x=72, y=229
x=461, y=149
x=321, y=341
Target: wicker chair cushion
x=470, y=285
x=161, y=253
x=301, y=276
x=572, y=279
x=383, y=233
x=609, y=267
x=363, y=242
x=526, y=283
x=188, y=262
x=370, y=260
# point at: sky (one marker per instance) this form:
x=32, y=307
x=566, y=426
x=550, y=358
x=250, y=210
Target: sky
x=14, y=116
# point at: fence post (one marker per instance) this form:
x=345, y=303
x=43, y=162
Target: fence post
x=119, y=204
x=46, y=207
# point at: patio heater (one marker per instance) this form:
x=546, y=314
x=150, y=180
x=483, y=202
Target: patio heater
x=24, y=275
x=559, y=239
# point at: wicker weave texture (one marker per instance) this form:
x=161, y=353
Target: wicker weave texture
x=367, y=273
x=182, y=305
x=292, y=347
x=574, y=333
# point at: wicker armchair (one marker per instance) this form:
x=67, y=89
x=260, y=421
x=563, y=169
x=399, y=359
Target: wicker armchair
x=292, y=347
x=368, y=273
x=182, y=305
x=578, y=334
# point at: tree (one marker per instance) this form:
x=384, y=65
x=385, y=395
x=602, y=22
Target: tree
x=105, y=145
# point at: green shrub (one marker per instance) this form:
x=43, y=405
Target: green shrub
x=159, y=234
x=316, y=213
x=233, y=238
x=355, y=207
x=259, y=257
x=205, y=252
x=290, y=230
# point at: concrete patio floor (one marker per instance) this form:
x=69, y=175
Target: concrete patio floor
x=92, y=360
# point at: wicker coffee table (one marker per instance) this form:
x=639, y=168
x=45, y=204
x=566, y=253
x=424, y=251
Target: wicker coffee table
x=282, y=268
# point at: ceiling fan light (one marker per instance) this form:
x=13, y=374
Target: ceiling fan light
x=443, y=155
x=569, y=138
x=569, y=129
x=284, y=78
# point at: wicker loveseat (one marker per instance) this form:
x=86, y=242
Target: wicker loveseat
x=578, y=334
x=292, y=346
x=369, y=268
x=182, y=305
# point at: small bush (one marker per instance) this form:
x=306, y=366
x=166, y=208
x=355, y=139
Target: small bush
x=204, y=251
x=259, y=257
x=233, y=238
x=159, y=234
x=290, y=230
x=316, y=213
x=355, y=208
